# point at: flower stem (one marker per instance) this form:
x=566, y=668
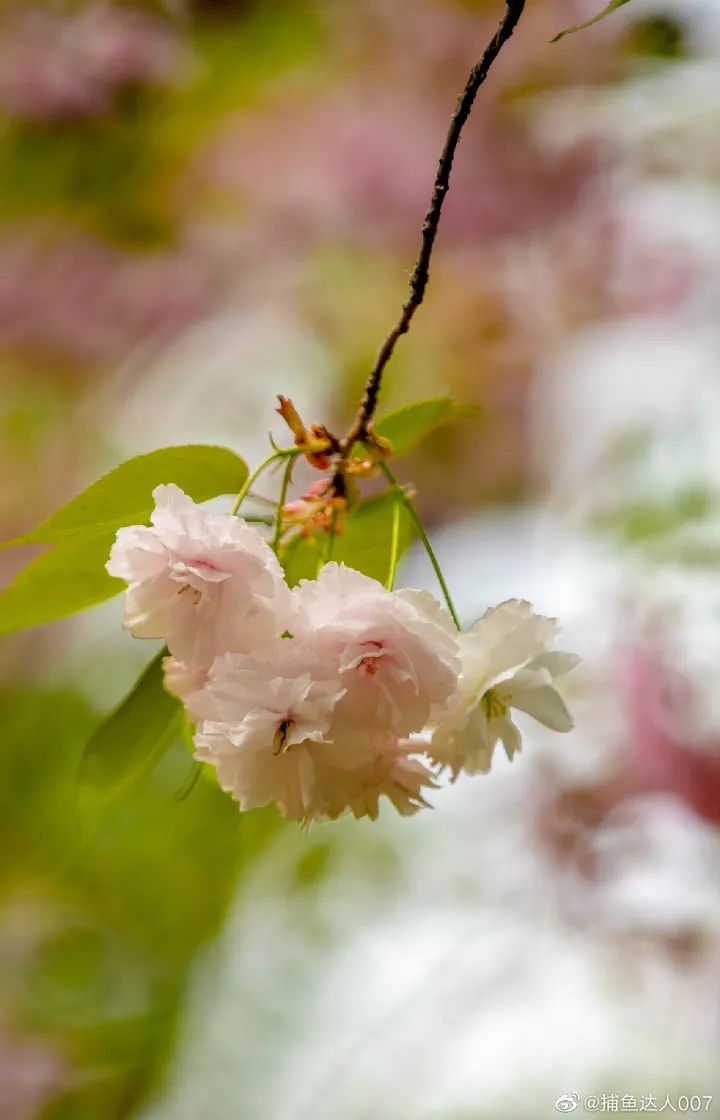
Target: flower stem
x=394, y=545
x=410, y=507
x=326, y=556
x=281, y=502
x=331, y=537
x=282, y=453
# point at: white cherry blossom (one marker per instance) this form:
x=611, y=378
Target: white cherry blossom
x=506, y=664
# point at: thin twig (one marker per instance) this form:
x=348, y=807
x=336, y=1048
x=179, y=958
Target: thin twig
x=421, y=273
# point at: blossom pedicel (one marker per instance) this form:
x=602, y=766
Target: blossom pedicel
x=309, y=697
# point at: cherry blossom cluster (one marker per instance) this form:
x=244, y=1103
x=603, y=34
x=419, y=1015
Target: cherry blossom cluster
x=329, y=696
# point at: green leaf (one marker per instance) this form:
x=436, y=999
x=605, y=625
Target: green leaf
x=607, y=10
x=131, y=740
x=124, y=496
x=58, y=583
x=407, y=427
x=364, y=544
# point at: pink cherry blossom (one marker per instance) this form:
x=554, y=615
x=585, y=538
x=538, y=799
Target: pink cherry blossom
x=266, y=722
x=396, y=652
x=393, y=771
x=309, y=698
x=204, y=581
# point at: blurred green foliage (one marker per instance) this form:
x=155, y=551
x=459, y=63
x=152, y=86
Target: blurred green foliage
x=642, y=522
x=98, y=932
x=131, y=740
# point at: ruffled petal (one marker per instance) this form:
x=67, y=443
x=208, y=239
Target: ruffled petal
x=546, y=706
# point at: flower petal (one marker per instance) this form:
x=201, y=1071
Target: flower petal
x=508, y=733
x=506, y=637
x=555, y=662
x=546, y=706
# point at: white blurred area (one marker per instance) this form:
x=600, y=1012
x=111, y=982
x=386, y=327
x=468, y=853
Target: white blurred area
x=554, y=927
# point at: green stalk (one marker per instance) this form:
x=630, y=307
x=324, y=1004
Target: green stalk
x=281, y=502
x=394, y=545
x=289, y=452
x=327, y=555
x=410, y=507
x=331, y=537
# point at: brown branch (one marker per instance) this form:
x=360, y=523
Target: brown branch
x=421, y=272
